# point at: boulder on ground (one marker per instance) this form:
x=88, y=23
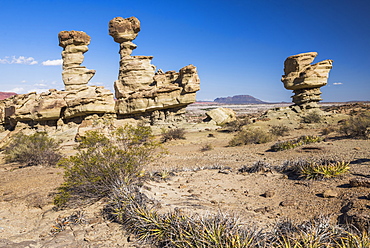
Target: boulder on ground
x=221, y=116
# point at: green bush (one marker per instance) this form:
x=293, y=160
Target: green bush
x=279, y=130
x=102, y=163
x=312, y=117
x=249, y=136
x=357, y=126
x=172, y=134
x=34, y=149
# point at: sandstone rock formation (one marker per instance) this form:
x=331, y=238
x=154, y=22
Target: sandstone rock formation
x=220, y=116
x=54, y=105
x=140, y=91
x=139, y=88
x=305, y=79
x=75, y=44
x=78, y=99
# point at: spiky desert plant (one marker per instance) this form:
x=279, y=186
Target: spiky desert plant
x=314, y=170
x=34, y=149
x=177, y=229
x=290, y=144
x=354, y=239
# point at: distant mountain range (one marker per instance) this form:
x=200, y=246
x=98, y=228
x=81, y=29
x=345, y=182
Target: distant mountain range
x=239, y=99
x=4, y=95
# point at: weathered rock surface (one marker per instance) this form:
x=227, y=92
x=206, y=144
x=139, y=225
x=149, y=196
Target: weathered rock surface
x=54, y=105
x=140, y=90
x=221, y=116
x=75, y=44
x=139, y=87
x=305, y=79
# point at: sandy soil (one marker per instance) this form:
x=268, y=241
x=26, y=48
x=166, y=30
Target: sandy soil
x=203, y=182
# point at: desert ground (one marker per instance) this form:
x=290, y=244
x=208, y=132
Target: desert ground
x=194, y=181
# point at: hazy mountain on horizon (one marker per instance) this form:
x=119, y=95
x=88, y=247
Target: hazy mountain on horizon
x=238, y=99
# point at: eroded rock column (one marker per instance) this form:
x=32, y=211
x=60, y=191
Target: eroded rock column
x=140, y=89
x=136, y=72
x=305, y=79
x=75, y=44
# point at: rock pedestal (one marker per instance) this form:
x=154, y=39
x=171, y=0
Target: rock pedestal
x=305, y=79
x=75, y=44
x=139, y=87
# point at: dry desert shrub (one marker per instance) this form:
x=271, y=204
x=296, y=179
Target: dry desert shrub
x=357, y=126
x=279, y=130
x=206, y=147
x=259, y=166
x=236, y=125
x=102, y=163
x=34, y=149
x=312, y=117
x=172, y=134
x=327, y=130
x=251, y=136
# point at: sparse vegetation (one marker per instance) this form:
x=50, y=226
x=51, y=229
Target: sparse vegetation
x=34, y=149
x=173, y=134
x=178, y=229
x=236, y=126
x=290, y=144
x=279, y=130
x=259, y=166
x=251, y=136
x=102, y=163
x=357, y=126
x=316, y=169
x=327, y=130
x=312, y=117
x=206, y=147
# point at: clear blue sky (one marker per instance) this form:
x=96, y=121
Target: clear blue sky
x=238, y=46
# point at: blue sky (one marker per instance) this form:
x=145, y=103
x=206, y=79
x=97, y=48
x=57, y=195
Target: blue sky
x=238, y=46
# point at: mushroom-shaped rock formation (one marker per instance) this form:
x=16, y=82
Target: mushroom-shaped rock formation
x=75, y=44
x=139, y=87
x=305, y=79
